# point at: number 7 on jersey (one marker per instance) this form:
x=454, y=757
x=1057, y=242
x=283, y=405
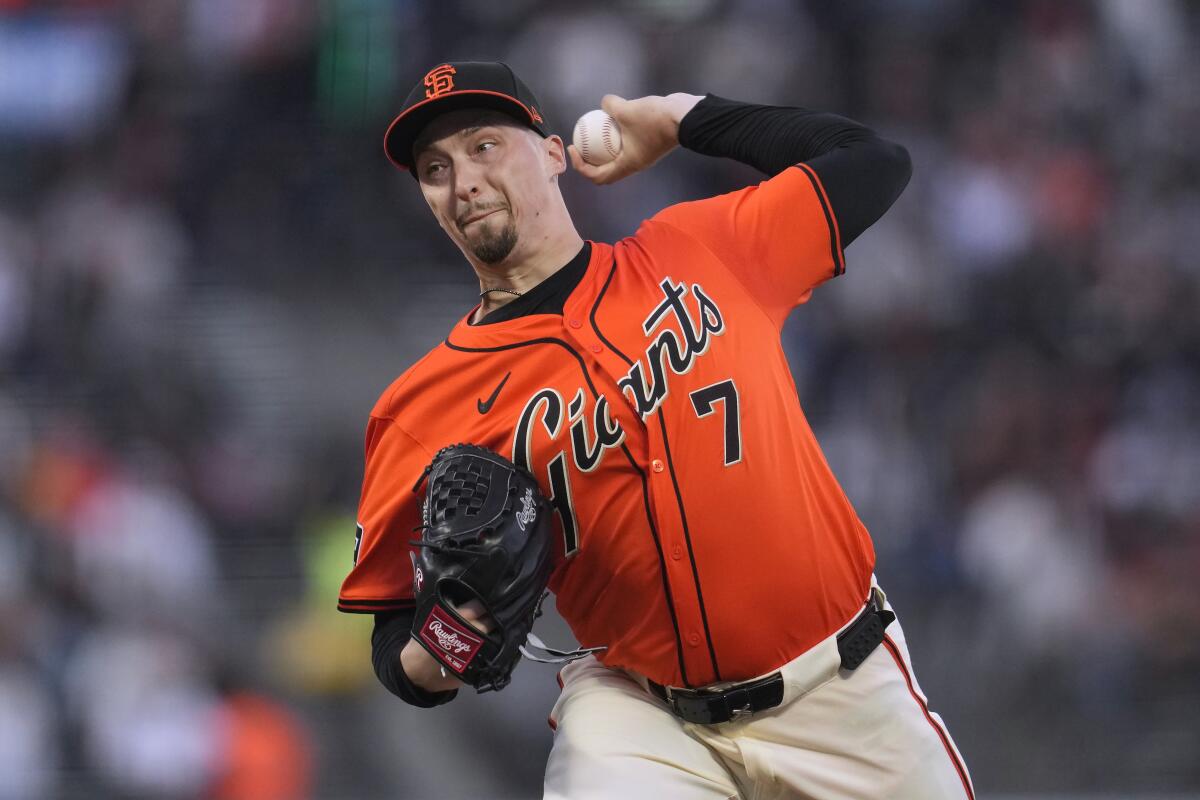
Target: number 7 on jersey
x=724, y=392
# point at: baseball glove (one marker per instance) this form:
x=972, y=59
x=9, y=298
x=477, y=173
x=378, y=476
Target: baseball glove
x=485, y=535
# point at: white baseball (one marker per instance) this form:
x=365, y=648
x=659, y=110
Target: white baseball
x=597, y=138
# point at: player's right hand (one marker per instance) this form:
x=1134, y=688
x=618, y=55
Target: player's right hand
x=649, y=130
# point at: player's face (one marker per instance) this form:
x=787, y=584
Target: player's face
x=488, y=180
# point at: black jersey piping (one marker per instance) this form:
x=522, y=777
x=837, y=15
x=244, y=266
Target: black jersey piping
x=372, y=606
x=839, y=259
x=687, y=535
x=662, y=564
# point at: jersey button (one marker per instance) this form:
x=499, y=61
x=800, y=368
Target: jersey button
x=657, y=465
x=677, y=552
x=595, y=348
x=694, y=639
x=576, y=324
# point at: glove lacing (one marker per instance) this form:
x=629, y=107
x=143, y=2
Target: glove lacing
x=552, y=654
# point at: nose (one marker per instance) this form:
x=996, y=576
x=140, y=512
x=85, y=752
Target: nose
x=467, y=180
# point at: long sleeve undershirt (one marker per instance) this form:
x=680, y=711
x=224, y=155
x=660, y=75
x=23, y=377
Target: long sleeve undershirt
x=862, y=173
x=392, y=631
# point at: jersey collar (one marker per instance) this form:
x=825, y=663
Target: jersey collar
x=537, y=326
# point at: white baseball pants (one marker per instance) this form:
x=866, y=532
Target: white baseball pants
x=837, y=735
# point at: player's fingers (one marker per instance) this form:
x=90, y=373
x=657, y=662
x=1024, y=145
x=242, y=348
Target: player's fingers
x=611, y=172
x=614, y=105
x=608, y=173
x=598, y=175
x=577, y=160
x=473, y=612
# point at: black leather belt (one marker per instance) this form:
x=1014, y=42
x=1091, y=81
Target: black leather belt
x=708, y=707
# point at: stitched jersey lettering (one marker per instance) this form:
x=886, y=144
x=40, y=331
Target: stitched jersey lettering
x=666, y=350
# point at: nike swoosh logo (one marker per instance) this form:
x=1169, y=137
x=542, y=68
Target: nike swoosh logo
x=485, y=406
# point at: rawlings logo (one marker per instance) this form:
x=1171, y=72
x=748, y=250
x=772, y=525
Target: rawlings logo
x=448, y=640
x=455, y=645
x=528, y=512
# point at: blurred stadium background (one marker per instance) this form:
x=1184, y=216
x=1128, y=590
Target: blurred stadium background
x=208, y=271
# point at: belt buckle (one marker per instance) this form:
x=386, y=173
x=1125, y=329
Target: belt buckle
x=741, y=710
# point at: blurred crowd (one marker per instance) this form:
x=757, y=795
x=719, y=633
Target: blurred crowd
x=208, y=272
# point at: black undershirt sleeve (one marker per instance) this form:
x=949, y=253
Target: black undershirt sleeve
x=392, y=631
x=862, y=173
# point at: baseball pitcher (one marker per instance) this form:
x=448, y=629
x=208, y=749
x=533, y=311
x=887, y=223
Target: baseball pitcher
x=618, y=422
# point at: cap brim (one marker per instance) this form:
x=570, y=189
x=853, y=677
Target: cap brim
x=403, y=132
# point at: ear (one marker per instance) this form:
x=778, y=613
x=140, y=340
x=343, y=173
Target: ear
x=556, y=154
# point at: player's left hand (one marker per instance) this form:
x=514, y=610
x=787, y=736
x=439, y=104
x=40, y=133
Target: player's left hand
x=473, y=612
x=479, y=577
x=649, y=130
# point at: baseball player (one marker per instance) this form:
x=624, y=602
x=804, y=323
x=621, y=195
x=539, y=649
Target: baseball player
x=704, y=553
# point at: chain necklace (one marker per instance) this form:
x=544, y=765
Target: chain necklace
x=501, y=289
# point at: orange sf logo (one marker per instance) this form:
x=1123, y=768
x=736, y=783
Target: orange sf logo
x=536, y=116
x=439, y=80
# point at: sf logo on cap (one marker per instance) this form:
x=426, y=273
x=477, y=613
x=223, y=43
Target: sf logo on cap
x=439, y=80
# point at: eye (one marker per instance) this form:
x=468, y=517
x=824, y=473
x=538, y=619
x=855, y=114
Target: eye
x=484, y=146
x=434, y=169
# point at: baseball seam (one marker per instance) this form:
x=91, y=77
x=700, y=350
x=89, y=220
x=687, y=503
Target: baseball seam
x=607, y=135
x=583, y=142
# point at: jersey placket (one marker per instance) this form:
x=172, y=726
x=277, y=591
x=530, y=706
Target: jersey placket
x=671, y=514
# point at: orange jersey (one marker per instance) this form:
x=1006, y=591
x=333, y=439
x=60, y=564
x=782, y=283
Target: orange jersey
x=702, y=535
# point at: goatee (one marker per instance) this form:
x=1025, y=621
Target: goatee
x=494, y=247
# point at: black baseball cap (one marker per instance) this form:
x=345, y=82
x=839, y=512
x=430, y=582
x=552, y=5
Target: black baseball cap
x=456, y=85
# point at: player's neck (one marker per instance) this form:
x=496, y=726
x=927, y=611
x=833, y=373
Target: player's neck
x=526, y=272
